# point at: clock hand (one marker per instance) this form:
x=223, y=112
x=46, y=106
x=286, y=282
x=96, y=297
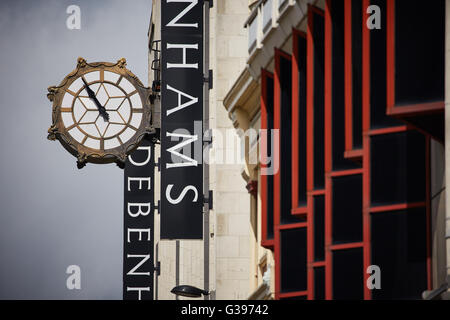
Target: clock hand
x=101, y=109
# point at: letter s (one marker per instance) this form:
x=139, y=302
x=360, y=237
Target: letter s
x=181, y=196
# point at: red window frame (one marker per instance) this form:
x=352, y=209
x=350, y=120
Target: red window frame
x=391, y=108
x=350, y=152
x=368, y=210
x=278, y=293
x=277, y=184
x=296, y=210
x=366, y=147
x=310, y=99
x=277, y=126
x=311, y=192
x=329, y=173
x=265, y=242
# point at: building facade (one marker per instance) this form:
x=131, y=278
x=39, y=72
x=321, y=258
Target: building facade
x=220, y=265
x=348, y=99
x=357, y=108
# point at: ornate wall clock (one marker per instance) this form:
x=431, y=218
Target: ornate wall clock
x=101, y=112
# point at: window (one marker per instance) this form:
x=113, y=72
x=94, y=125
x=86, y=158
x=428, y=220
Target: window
x=378, y=117
x=267, y=15
x=316, y=95
x=283, y=122
x=416, y=64
x=267, y=183
x=347, y=209
x=399, y=248
x=398, y=168
x=348, y=272
x=336, y=59
x=319, y=283
x=299, y=122
x=282, y=4
x=293, y=260
x=252, y=33
x=419, y=52
x=353, y=74
x=319, y=228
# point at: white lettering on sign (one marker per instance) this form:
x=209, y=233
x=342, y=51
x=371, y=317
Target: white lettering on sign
x=139, y=231
x=192, y=100
x=173, y=150
x=182, y=89
x=140, y=179
x=139, y=212
x=140, y=164
x=133, y=272
x=181, y=196
x=183, y=64
x=138, y=224
x=139, y=290
x=174, y=22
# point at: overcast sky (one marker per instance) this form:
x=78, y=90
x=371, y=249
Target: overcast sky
x=53, y=215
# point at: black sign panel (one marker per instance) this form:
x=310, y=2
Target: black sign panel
x=138, y=223
x=181, y=119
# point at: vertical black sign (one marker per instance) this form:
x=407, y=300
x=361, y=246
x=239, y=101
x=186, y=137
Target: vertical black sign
x=181, y=119
x=138, y=223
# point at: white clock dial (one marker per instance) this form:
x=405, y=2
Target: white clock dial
x=83, y=120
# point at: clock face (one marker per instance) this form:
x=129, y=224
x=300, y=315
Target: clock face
x=101, y=110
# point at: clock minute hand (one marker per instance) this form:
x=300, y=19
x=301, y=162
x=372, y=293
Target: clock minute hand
x=101, y=109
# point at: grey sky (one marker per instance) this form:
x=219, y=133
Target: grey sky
x=51, y=214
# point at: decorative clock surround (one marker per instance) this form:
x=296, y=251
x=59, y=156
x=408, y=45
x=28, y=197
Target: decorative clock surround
x=101, y=112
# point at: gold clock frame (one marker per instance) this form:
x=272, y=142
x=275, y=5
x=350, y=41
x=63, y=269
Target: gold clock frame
x=84, y=154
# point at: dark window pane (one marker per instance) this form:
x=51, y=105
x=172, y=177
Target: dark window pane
x=378, y=117
x=270, y=190
x=319, y=161
x=348, y=274
x=399, y=249
x=286, y=140
x=295, y=298
x=319, y=283
x=302, y=121
x=347, y=209
x=338, y=88
x=293, y=260
x=357, y=73
x=319, y=228
x=419, y=51
x=398, y=168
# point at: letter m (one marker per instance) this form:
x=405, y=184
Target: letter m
x=175, y=21
x=174, y=150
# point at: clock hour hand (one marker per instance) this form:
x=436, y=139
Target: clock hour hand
x=101, y=109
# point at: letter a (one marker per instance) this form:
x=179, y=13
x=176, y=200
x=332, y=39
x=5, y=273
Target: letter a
x=374, y=21
x=374, y=281
x=74, y=20
x=192, y=100
x=74, y=280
